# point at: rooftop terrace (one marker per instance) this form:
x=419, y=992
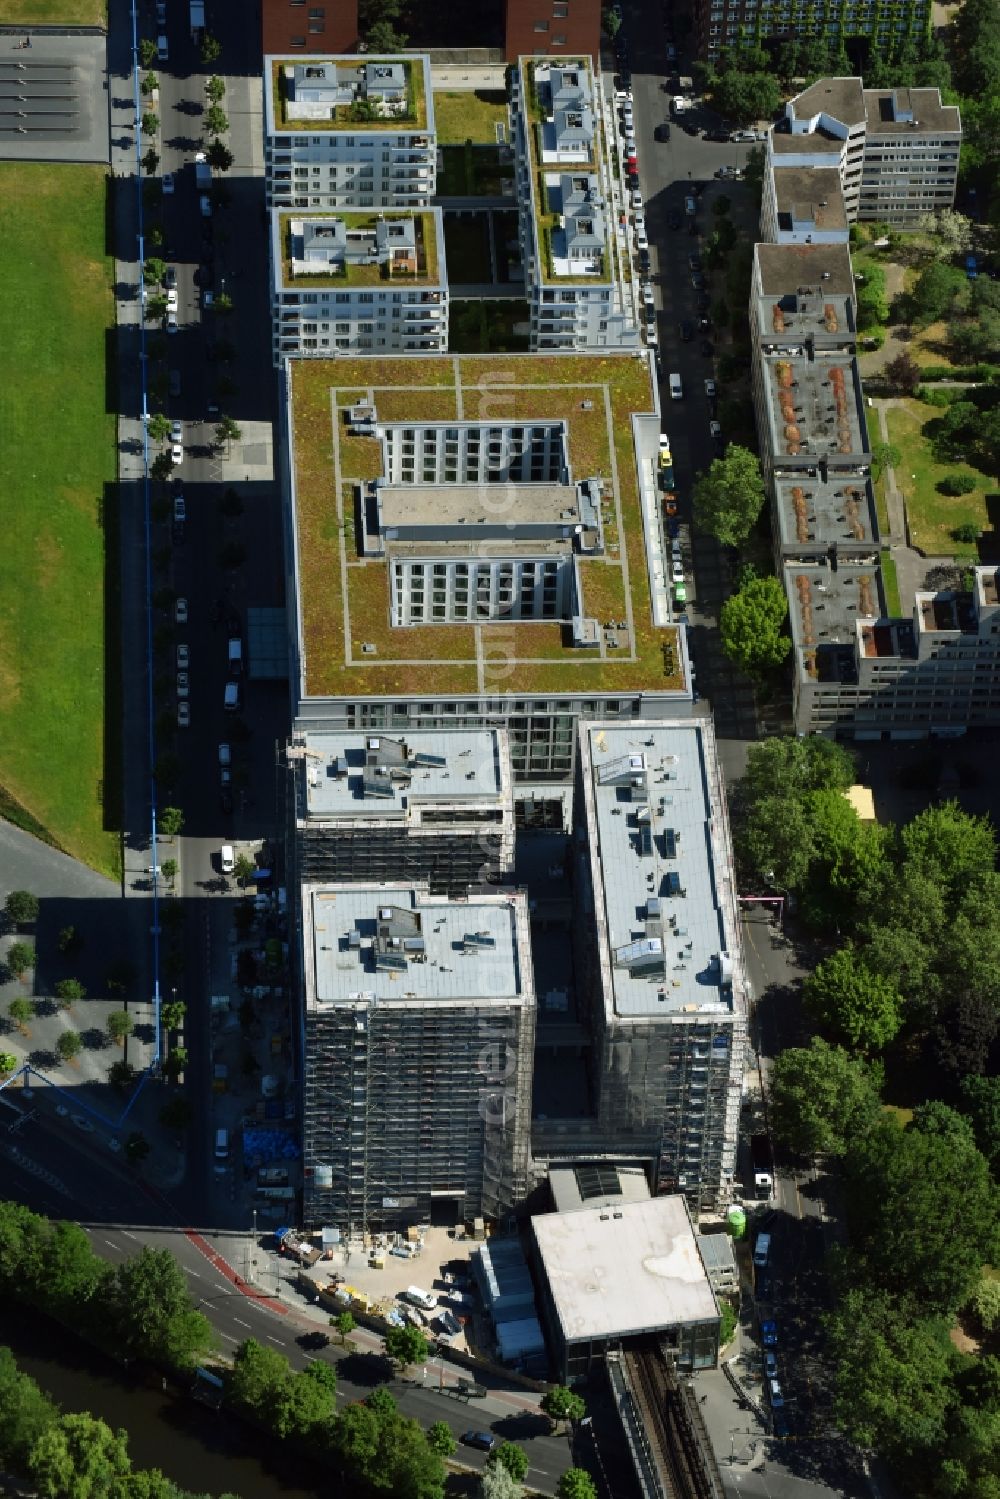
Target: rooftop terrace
x=344, y=600
x=375, y=253
x=656, y=820
x=818, y=513
x=815, y=408
x=397, y=943
x=367, y=112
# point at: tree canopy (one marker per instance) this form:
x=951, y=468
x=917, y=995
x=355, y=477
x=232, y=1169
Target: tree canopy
x=751, y=626
x=729, y=498
x=822, y=1098
x=854, y=1003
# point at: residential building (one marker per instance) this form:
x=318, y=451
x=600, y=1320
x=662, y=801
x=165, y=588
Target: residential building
x=658, y=960
x=432, y=807
x=624, y=1278
x=730, y=23
x=295, y=26
x=349, y=132
x=803, y=206
x=896, y=150
x=567, y=28
x=419, y=1023
x=576, y=260
x=358, y=282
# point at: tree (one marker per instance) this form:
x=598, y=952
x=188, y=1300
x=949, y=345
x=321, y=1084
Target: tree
x=512, y=1457
x=355, y=1438
x=147, y=52
x=69, y=1045
x=211, y=49
x=728, y=499
x=150, y=1306
x=22, y=907
x=169, y=869
x=258, y=1377
x=121, y=1075
x=150, y=162
x=980, y=1098
x=243, y=869
x=873, y=308
x=119, y=1024
x=984, y=1303
x=162, y=466
x=171, y=822
x=227, y=430
x=935, y=290
x=78, y=1457
x=215, y=88
x=751, y=623
x=304, y=1404
x=219, y=155
x=885, y=455
x=158, y=426
x=790, y=766
x=137, y=1147
x=150, y=84
x=822, y=1099
x=156, y=306
x=611, y=22
x=172, y=1014
x=19, y=958
x=746, y=97
x=150, y=123
x=496, y=1483
x=949, y=846
x=952, y=232
x=27, y=1413
x=903, y=374
x=406, y=1345
x=383, y=37
x=857, y=1005
x=442, y=1442
x=8, y=1062
x=575, y=1483
x=925, y=1213
x=216, y=122
x=69, y=940
x=561, y=1404
x=223, y=302
x=174, y=1062
x=382, y=1402
x=21, y=1011
x=68, y=991
x=345, y=1324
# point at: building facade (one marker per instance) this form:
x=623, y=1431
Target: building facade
x=568, y=28
x=418, y=1037
x=358, y=283
x=299, y=27
x=349, y=132
x=730, y=23
x=578, y=275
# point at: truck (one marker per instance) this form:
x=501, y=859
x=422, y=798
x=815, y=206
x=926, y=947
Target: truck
x=197, y=19
x=202, y=172
x=763, y=1169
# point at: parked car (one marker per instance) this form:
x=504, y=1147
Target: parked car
x=686, y=332
x=710, y=389
x=170, y=322
x=418, y=1297
x=176, y=453
x=226, y=800
x=481, y=1439
x=715, y=429
x=697, y=281
x=180, y=510
x=183, y=715
x=183, y=685
x=662, y=132
x=635, y=201
x=170, y=279
x=183, y=656
x=644, y=262
x=774, y=1394
x=676, y=570
x=167, y=181
x=641, y=238
x=181, y=611
x=706, y=348
x=225, y=755
x=769, y=1333
x=205, y=205
x=740, y=137
x=770, y=1365
x=721, y=137
x=694, y=261
x=690, y=128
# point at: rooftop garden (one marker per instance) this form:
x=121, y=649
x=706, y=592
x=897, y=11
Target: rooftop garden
x=465, y=658
x=361, y=115
x=547, y=223
x=363, y=275
x=461, y=117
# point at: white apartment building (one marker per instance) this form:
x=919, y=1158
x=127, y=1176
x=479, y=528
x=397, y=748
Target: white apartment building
x=351, y=283
x=349, y=132
x=577, y=269
x=896, y=150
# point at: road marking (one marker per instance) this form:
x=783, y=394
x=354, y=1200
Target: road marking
x=130, y=1236
x=310, y=1358
x=196, y=1273
x=240, y=1322
x=272, y=1339
x=229, y=1338
x=112, y=1243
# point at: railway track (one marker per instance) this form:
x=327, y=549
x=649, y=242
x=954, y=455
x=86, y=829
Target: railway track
x=684, y=1458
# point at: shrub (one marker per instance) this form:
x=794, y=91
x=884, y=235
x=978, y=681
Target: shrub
x=956, y=484
x=966, y=532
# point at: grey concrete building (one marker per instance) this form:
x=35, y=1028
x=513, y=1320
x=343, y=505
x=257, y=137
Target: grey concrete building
x=349, y=132
x=577, y=269
x=437, y=808
x=418, y=1030
x=729, y=23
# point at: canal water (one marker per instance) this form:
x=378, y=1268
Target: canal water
x=198, y=1448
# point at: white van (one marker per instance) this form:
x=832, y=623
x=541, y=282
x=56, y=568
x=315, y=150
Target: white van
x=227, y=858
x=222, y=1145
x=676, y=388
x=417, y=1297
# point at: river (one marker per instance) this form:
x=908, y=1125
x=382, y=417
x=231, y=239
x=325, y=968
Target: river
x=199, y=1449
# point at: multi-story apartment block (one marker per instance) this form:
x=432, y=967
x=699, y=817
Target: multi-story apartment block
x=658, y=957
x=419, y=1024
x=435, y=808
x=896, y=150
x=294, y=26
x=349, y=132
x=465, y=570
x=350, y=282
x=731, y=23
x=803, y=206
x=566, y=28
x=577, y=269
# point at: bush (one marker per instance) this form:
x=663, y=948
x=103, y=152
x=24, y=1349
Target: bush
x=956, y=484
x=22, y=907
x=966, y=532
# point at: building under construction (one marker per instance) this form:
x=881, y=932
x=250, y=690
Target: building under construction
x=419, y=1032
x=659, y=962
x=437, y=807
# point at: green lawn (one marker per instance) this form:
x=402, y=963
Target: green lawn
x=59, y=464
x=53, y=13
x=461, y=117
x=890, y=586
x=932, y=515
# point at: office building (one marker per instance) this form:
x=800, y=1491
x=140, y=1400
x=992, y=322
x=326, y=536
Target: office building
x=295, y=26
x=896, y=150
x=576, y=260
x=432, y=807
x=358, y=282
x=418, y=1035
x=349, y=132
x=658, y=959
x=562, y=28
x=803, y=206
x=732, y=23
x=616, y=1278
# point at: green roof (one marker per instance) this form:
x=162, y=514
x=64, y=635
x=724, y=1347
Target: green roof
x=415, y=117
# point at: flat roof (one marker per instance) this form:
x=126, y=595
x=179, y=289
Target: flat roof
x=292, y=276
x=599, y=1184
x=815, y=407
x=921, y=110
x=812, y=193
x=474, y=950
x=619, y=1272
x=661, y=867
x=344, y=602
x=811, y=143
x=841, y=98
x=450, y=765
x=836, y=511
x=477, y=504
x=824, y=268
x=418, y=73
